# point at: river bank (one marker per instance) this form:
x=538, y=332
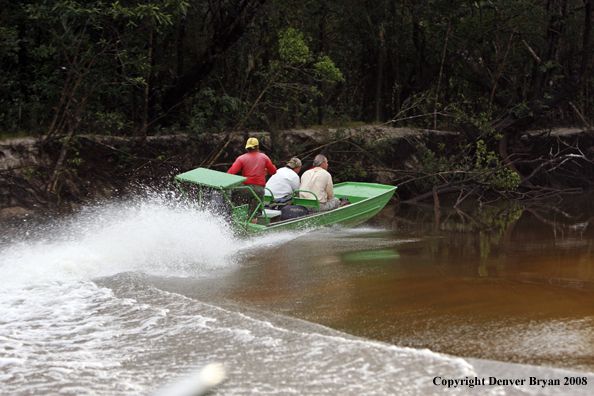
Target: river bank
x=98, y=167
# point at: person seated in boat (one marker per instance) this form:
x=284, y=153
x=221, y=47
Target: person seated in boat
x=286, y=180
x=254, y=165
x=319, y=181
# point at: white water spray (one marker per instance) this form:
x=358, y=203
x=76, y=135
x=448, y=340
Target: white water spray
x=149, y=236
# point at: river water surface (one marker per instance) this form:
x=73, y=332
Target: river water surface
x=125, y=298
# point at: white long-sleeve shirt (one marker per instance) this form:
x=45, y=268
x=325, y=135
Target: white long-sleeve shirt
x=284, y=182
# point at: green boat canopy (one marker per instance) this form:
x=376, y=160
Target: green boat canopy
x=211, y=178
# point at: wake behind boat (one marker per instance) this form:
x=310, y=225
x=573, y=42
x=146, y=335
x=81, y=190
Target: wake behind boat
x=367, y=199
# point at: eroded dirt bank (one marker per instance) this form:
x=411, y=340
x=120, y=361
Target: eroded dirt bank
x=100, y=167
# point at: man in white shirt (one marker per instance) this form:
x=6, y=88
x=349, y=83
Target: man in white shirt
x=319, y=181
x=286, y=180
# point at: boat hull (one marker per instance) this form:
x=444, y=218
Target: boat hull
x=364, y=208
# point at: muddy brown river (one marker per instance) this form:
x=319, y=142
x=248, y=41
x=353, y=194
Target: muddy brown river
x=499, y=282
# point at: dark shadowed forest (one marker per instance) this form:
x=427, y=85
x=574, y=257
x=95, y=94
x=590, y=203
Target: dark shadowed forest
x=94, y=85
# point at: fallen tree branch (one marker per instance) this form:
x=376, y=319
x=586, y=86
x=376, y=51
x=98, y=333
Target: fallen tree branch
x=461, y=198
x=447, y=188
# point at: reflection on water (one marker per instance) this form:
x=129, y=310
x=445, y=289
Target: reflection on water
x=499, y=282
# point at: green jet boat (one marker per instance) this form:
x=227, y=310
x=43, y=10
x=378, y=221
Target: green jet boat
x=367, y=199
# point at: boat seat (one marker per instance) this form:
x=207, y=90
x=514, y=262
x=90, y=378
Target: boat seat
x=271, y=213
x=269, y=216
x=268, y=198
x=312, y=203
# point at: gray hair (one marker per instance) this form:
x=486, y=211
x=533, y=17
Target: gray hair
x=319, y=160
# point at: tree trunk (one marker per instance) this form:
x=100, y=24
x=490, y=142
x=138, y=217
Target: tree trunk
x=180, y=45
x=379, y=80
x=228, y=27
x=321, y=84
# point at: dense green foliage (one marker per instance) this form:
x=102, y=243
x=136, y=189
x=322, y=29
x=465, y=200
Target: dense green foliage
x=137, y=67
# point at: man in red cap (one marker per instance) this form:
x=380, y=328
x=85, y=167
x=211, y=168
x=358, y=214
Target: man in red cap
x=254, y=165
